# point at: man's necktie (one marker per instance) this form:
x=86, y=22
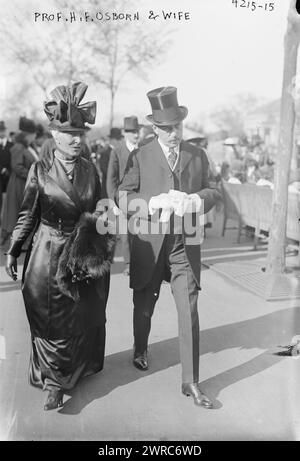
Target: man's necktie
x=172, y=157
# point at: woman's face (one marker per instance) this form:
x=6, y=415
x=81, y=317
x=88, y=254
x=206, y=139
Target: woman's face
x=68, y=143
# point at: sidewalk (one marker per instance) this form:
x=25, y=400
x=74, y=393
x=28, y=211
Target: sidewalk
x=254, y=391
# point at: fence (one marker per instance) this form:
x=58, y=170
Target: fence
x=251, y=205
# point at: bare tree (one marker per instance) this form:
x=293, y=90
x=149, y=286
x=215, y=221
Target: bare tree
x=230, y=117
x=104, y=53
x=116, y=51
x=277, y=244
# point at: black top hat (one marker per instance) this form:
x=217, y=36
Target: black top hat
x=131, y=123
x=64, y=111
x=165, y=108
x=27, y=125
x=2, y=126
x=115, y=133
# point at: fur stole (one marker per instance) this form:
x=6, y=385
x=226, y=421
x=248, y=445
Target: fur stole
x=86, y=256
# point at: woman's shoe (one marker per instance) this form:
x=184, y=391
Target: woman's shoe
x=54, y=399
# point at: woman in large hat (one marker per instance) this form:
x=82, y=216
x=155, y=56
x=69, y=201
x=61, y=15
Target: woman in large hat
x=22, y=157
x=66, y=270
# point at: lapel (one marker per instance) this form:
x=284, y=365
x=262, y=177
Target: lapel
x=160, y=156
x=81, y=178
x=124, y=152
x=57, y=174
x=185, y=157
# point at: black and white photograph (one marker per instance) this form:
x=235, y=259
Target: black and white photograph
x=149, y=222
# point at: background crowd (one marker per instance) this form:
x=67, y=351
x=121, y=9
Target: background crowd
x=240, y=160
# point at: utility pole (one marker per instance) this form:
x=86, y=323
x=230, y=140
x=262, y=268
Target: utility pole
x=277, y=242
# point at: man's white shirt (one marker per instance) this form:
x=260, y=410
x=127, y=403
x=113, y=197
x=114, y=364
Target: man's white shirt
x=166, y=151
x=178, y=201
x=3, y=142
x=131, y=147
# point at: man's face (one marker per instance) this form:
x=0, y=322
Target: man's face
x=2, y=134
x=132, y=136
x=69, y=143
x=115, y=142
x=170, y=135
x=40, y=141
x=30, y=137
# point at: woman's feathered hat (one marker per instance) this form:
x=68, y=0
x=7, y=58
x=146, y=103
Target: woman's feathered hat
x=65, y=111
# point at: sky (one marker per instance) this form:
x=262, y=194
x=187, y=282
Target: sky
x=221, y=51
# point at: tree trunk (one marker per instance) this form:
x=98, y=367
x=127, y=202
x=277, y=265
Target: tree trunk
x=112, y=108
x=277, y=243
x=294, y=159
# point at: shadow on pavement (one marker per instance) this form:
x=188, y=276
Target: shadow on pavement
x=265, y=332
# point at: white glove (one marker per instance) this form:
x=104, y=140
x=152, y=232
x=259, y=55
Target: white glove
x=184, y=203
x=178, y=200
x=174, y=200
x=161, y=202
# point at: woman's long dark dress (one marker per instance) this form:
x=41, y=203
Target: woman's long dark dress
x=68, y=338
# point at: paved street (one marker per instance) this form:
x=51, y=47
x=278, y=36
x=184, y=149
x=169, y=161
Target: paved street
x=253, y=390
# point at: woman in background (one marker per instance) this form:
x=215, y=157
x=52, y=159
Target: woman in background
x=22, y=157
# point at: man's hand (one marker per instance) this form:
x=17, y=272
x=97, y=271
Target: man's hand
x=160, y=202
x=174, y=200
x=11, y=267
x=184, y=203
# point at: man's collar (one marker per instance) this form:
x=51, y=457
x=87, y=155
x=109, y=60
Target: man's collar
x=3, y=141
x=166, y=149
x=130, y=146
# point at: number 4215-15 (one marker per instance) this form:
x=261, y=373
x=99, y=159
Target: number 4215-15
x=253, y=5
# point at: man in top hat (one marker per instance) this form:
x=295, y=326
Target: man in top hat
x=116, y=168
x=5, y=146
x=170, y=177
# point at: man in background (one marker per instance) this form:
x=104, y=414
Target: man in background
x=116, y=168
x=5, y=146
x=103, y=156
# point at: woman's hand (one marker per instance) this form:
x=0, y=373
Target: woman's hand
x=11, y=267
